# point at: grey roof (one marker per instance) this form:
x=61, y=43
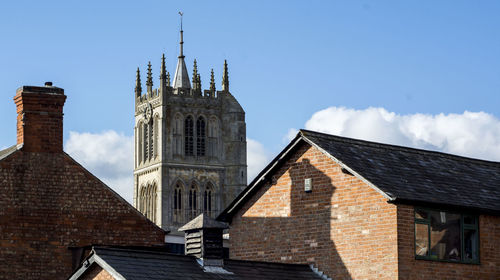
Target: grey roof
x=133, y=264
x=401, y=174
x=203, y=221
x=6, y=152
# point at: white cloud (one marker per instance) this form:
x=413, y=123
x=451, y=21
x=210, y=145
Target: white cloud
x=257, y=158
x=107, y=155
x=473, y=134
x=292, y=132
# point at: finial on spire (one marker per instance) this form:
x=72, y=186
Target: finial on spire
x=199, y=82
x=149, y=81
x=225, y=78
x=182, y=41
x=168, y=79
x=138, y=87
x=212, y=81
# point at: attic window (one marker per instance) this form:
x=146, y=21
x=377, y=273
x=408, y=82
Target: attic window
x=446, y=236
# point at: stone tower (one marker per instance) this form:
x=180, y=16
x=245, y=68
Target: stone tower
x=190, y=146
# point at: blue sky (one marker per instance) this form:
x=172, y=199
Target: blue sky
x=287, y=60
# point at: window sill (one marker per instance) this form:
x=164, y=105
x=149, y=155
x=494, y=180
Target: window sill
x=446, y=261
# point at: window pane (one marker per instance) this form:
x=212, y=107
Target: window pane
x=445, y=236
x=421, y=239
x=420, y=214
x=470, y=220
x=470, y=244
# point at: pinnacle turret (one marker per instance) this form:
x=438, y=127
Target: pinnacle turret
x=225, y=78
x=163, y=75
x=163, y=70
x=212, y=81
x=195, y=76
x=149, y=81
x=138, y=87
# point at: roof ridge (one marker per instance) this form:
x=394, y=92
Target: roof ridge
x=267, y=263
x=143, y=250
x=396, y=147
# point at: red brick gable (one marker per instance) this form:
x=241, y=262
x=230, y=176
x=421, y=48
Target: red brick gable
x=343, y=227
x=48, y=202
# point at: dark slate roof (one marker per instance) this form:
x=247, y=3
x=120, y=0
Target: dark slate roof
x=418, y=175
x=401, y=174
x=6, y=152
x=155, y=265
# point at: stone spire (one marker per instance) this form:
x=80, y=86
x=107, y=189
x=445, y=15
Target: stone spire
x=168, y=79
x=225, y=78
x=149, y=81
x=181, y=77
x=212, y=81
x=138, y=87
x=163, y=75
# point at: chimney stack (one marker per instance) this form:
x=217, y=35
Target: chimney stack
x=203, y=238
x=40, y=118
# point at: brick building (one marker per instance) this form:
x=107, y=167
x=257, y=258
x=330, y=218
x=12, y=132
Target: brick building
x=362, y=210
x=50, y=206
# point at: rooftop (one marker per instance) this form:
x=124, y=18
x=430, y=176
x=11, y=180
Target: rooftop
x=131, y=264
x=401, y=174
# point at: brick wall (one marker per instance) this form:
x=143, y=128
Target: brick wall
x=48, y=203
x=343, y=227
x=489, y=250
x=96, y=273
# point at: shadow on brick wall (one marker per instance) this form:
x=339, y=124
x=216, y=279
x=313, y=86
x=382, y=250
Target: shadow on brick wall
x=298, y=231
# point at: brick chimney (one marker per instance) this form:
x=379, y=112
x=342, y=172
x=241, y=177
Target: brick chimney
x=40, y=118
x=203, y=237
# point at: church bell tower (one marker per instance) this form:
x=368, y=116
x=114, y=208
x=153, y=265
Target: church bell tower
x=190, y=146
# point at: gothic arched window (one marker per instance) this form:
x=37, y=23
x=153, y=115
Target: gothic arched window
x=177, y=204
x=192, y=202
x=208, y=200
x=188, y=136
x=138, y=143
x=150, y=138
x=145, y=148
x=142, y=198
x=152, y=203
x=147, y=201
x=155, y=136
x=200, y=136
